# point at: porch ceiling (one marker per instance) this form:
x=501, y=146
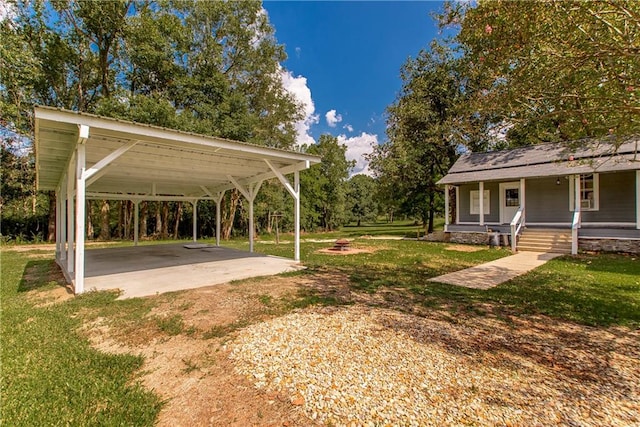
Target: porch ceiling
x=150, y=160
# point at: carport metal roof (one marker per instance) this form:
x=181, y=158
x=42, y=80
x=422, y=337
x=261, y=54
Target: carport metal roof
x=125, y=158
x=81, y=156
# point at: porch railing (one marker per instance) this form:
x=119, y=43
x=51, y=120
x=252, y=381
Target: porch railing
x=575, y=224
x=516, y=225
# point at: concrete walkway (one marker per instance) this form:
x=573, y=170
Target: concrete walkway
x=490, y=274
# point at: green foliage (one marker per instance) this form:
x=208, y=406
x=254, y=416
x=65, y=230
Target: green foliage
x=207, y=67
x=555, y=70
x=423, y=135
x=50, y=374
x=323, y=198
x=360, y=199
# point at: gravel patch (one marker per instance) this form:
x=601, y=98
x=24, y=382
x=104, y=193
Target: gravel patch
x=364, y=366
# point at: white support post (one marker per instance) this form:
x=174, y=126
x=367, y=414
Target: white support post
x=577, y=194
x=296, y=189
x=522, y=201
x=136, y=221
x=481, y=201
x=80, y=218
x=58, y=228
x=195, y=220
x=638, y=199
x=250, y=194
x=457, y=204
x=218, y=203
x=63, y=220
x=70, y=215
x=251, y=224
x=446, y=207
x=295, y=193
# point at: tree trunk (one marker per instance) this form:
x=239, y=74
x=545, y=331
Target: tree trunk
x=164, y=232
x=177, y=222
x=119, y=225
x=105, y=232
x=90, y=229
x=228, y=215
x=431, y=212
x=144, y=210
x=158, y=231
x=128, y=218
x=51, y=224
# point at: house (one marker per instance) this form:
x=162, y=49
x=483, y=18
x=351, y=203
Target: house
x=550, y=197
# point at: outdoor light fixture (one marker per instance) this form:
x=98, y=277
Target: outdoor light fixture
x=557, y=181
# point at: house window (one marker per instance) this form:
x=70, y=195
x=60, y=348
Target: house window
x=511, y=197
x=589, y=193
x=474, y=202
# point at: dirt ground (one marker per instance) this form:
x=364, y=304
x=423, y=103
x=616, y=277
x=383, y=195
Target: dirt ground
x=188, y=337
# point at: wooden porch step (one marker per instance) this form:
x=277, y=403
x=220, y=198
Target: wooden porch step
x=545, y=240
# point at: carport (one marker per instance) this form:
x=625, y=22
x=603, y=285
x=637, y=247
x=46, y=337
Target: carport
x=82, y=156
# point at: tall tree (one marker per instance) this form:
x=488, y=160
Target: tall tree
x=323, y=200
x=553, y=70
x=360, y=199
x=423, y=132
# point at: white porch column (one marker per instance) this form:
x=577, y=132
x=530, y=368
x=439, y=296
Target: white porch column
x=58, y=214
x=522, y=200
x=70, y=215
x=638, y=199
x=63, y=221
x=481, y=201
x=446, y=207
x=296, y=189
x=136, y=221
x=251, y=225
x=195, y=220
x=218, y=203
x=577, y=194
x=80, y=218
x=457, y=204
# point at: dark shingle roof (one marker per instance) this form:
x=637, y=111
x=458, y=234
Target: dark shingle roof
x=545, y=160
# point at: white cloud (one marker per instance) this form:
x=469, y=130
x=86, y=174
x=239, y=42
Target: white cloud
x=297, y=86
x=333, y=118
x=357, y=148
x=348, y=127
x=7, y=12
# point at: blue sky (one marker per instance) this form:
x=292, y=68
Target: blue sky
x=344, y=62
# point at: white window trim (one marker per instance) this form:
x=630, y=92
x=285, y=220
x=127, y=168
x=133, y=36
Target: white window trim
x=475, y=210
x=596, y=193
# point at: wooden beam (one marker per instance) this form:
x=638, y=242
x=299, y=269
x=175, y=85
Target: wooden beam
x=106, y=161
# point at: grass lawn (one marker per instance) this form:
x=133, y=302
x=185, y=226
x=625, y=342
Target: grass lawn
x=52, y=376
x=50, y=373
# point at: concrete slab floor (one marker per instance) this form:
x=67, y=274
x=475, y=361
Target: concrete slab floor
x=149, y=270
x=490, y=274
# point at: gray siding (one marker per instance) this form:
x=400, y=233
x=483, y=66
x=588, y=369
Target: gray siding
x=617, y=199
x=546, y=201
x=494, y=203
